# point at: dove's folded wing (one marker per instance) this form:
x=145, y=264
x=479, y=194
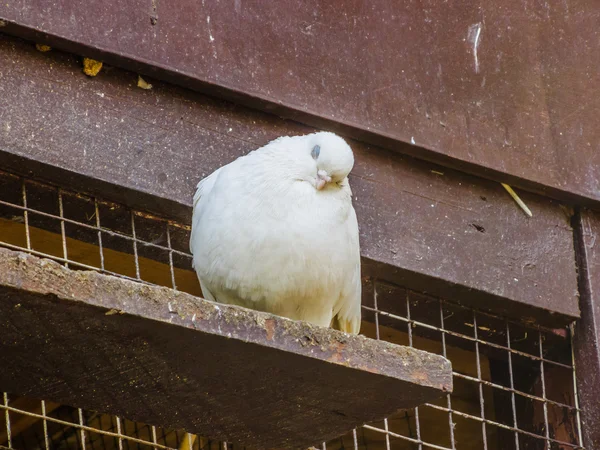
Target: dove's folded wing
x=348, y=316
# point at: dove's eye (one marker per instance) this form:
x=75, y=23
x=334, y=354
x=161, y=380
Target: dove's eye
x=315, y=151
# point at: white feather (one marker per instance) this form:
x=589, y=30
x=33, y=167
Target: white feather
x=265, y=238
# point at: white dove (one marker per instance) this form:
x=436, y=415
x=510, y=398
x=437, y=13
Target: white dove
x=275, y=231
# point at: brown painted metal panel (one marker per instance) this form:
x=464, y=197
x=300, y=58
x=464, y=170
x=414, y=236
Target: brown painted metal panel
x=166, y=358
x=505, y=88
x=425, y=227
x=587, y=336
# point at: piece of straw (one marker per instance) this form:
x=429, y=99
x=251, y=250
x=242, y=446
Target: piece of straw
x=516, y=198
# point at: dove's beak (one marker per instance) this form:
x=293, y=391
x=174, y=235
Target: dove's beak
x=322, y=179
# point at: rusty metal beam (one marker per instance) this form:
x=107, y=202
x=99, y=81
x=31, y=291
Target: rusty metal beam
x=587, y=336
x=509, y=96
x=166, y=358
x=422, y=226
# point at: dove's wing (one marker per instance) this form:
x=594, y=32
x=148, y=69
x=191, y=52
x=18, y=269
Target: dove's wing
x=348, y=316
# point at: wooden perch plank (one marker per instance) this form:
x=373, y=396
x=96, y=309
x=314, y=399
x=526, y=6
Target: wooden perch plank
x=512, y=96
x=432, y=229
x=167, y=358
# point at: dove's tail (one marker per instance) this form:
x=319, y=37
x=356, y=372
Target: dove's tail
x=351, y=326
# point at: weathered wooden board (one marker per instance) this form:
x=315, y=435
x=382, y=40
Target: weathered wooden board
x=506, y=88
x=434, y=229
x=587, y=336
x=170, y=359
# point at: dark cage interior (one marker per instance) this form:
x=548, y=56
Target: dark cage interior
x=514, y=383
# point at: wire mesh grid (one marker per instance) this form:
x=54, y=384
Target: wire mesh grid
x=514, y=384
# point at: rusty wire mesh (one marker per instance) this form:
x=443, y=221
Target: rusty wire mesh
x=514, y=384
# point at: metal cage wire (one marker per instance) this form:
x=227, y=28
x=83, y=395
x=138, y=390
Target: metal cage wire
x=514, y=383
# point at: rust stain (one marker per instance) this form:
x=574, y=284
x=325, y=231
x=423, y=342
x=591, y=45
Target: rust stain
x=336, y=357
x=270, y=328
x=421, y=377
x=369, y=369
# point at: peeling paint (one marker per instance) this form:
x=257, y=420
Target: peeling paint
x=474, y=37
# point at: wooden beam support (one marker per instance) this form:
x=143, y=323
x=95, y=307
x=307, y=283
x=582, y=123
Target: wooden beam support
x=422, y=226
x=509, y=96
x=167, y=358
x=587, y=335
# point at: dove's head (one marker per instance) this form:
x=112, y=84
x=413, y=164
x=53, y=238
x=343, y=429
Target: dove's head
x=326, y=159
